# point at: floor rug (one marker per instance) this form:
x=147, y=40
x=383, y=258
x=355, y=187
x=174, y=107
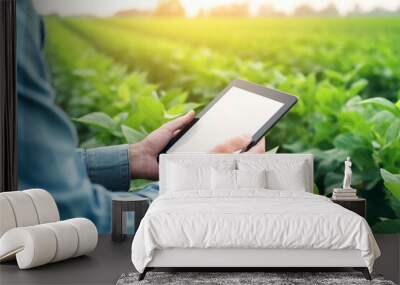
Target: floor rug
x=244, y=278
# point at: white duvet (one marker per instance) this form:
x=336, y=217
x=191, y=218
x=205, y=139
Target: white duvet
x=250, y=219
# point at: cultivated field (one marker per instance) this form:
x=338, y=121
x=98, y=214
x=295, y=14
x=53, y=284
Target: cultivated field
x=120, y=78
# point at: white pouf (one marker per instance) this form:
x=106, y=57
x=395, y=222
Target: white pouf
x=45, y=205
x=31, y=233
x=7, y=220
x=23, y=208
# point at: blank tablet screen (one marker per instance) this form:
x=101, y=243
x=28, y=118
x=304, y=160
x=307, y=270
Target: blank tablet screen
x=238, y=112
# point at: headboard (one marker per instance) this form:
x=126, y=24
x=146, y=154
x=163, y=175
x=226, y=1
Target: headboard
x=201, y=158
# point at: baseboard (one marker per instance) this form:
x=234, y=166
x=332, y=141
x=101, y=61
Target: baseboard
x=388, y=263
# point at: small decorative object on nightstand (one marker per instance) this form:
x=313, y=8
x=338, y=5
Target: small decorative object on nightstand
x=346, y=192
x=120, y=207
x=347, y=196
x=357, y=205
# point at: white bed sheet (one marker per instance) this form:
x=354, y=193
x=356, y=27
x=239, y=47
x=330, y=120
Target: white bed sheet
x=252, y=218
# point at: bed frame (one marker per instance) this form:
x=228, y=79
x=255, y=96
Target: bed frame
x=242, y=259
x=250, y=259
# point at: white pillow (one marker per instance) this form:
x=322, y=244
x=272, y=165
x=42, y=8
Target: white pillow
x=186, y=175
x=251, y=178
x=223, y=179
x=294, y=179
x=281, y=175
x=182, y=177
x=227, y=179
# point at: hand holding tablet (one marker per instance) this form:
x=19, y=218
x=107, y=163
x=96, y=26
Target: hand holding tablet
x=235, y=121
x=241, y=108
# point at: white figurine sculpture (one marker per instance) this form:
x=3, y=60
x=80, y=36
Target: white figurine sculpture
x=347, y=174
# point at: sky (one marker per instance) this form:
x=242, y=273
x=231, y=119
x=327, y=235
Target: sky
x=110, y=7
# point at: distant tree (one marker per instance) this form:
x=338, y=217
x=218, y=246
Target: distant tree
x=380, y=12
x=304, y=11
x=132, y=12
x=329, y=11
x=172, y=8
x=269, y=11
x=233, y=10
x=357, y=11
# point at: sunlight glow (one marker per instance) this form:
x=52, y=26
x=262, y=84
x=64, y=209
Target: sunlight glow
x=192, y=7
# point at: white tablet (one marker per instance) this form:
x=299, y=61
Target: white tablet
x=242, y=108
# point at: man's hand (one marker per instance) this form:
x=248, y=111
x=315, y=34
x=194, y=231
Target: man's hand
x=239, y=143
x=143, y=155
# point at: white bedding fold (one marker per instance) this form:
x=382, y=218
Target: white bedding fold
x=250, y=219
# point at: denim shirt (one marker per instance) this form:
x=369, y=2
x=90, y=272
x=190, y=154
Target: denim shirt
x=82, y=182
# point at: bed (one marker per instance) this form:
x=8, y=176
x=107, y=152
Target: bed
x=247, y=210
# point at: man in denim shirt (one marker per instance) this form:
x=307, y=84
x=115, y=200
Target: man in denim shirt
x=82, y=182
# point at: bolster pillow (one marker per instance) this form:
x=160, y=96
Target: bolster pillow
x=40, y=244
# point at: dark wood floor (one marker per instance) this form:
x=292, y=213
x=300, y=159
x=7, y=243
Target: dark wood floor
x=103, y=266
x=106, y=264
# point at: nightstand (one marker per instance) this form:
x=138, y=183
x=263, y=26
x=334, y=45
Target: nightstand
x=120, y=207
x=358, y=205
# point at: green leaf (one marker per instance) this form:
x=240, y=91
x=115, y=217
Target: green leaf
x=335, y=76
x=132, y=135
x=392, y=182
x=382, y=103
x=98, y=119
x=121, y=117
x=332, y=180
x=325, y=130
x=387, y=227
x=123, y=94
x=274, y=150
x=380, y=122
x=348, y=142
x=315, y=189
x=180, y=109
x=84, y=72
x=330, y=159
x=370, y=177
x=149, y=113
x=393, y=132
x=173, y=97
x=358, y=148
x=362, y=158
x=354, y=122
x=357, y=87
x=90, y=143
x=138, y=184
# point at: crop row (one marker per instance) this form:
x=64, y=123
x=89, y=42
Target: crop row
x=305, y=45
